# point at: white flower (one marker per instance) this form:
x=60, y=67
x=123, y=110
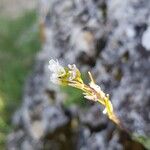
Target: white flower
x=91, y=97
x=97, y=89
x=56, y=69
x=73, y=72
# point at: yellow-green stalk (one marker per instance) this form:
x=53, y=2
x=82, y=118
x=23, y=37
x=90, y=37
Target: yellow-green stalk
x=71, y=76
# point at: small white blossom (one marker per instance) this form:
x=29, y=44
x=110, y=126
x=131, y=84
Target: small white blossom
x=97, y=88
x=73, y=71
x=56, y=69
x=91, y=97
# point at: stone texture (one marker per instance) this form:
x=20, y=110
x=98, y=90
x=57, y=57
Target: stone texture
x=110, y=39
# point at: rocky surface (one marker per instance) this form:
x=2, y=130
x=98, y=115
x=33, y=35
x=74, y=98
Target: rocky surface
x=110, y=38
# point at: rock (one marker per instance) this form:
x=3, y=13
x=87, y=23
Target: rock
x=110, y=39
x=127, y=62
x=145, y=39
x=94, y=119
x=99, y=140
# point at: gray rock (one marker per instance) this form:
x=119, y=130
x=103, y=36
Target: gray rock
x=110, y=38
x=93, y=118
x=99, y=140
x=145, y=39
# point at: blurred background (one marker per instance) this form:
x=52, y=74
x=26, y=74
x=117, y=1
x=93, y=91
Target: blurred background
x=19, y=43
x=110, y=38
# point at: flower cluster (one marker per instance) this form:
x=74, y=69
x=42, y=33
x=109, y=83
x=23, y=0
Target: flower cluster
x=71, y=76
